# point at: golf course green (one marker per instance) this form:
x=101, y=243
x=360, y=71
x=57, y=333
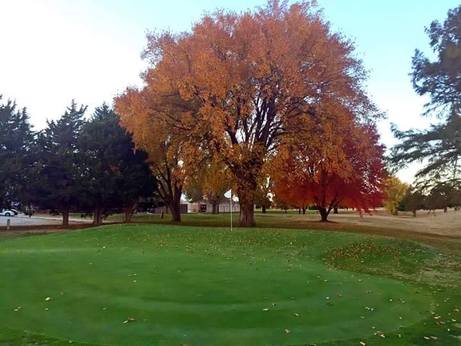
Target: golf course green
x=176, y=285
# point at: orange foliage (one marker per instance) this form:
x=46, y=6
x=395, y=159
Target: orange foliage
x=152, y=134
x=239, y=85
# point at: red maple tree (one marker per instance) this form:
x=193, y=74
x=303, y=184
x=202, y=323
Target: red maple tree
x=345, y=168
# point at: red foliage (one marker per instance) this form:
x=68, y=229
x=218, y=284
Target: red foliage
x=349, y=173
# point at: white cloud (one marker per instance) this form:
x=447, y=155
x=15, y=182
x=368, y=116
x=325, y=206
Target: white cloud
x=52, y=53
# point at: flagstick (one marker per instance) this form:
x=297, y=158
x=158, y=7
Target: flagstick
x=230, y=203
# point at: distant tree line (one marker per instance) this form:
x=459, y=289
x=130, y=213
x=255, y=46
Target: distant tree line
x=424, y=195
x=442, y=195
x=73, y=165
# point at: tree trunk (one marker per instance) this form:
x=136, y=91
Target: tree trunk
x=246, y=200
x=445, y=209
x=173, y=202
x=263, y=209
x=299, y=211
x=129, y=211
x=65, y=217
x=304, y=210
x=175, y=210
x=97, y=216
x=215, y=208
x=323, y=214
x=128, y=216
x=335, y=210
x=414, y=212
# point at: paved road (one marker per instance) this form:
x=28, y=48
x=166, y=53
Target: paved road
x=22, y=220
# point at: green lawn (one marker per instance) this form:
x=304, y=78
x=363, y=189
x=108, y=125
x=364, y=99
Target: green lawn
x=270, y=218
x=178, y=285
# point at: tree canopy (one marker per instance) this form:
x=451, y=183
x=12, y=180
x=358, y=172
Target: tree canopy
x=238, y=85
x=58, y=163
x=339, y=164
x=440, y=79
x=437, y=148
x=115, y=175
x=89, y=166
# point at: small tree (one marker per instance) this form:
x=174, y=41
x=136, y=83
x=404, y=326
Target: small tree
x=394, y=192
x=441, y=195
x=413, y=200
x=455, y=195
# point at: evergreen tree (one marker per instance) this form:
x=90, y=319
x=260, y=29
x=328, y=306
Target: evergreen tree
x=439, y=147
x=16, y=139
x=441, y=194
x=58, y=163
x=116, y=175
x=440, y=79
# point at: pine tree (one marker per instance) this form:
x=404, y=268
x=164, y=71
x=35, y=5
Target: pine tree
x=439, y=147
x=16, y=139
x=116, y=175
x=59, y=163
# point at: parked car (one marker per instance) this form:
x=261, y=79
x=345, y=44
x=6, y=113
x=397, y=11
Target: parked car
x=7, y=212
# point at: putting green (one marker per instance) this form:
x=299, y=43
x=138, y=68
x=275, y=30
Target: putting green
x=169, y=285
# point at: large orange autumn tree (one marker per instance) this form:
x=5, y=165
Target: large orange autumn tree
x=238, y=84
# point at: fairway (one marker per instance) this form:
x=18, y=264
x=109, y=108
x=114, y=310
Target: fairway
x=172, y=285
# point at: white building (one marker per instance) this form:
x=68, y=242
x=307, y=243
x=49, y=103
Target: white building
x=206, y=207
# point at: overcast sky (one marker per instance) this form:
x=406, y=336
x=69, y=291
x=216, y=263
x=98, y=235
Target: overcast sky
x=55, y=51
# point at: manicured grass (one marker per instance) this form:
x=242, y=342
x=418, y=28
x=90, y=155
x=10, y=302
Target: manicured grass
x=292, y=220
x=176, y=285
x=270, y=218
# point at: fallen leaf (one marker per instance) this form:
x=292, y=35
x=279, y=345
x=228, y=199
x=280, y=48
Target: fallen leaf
x=131, y=319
